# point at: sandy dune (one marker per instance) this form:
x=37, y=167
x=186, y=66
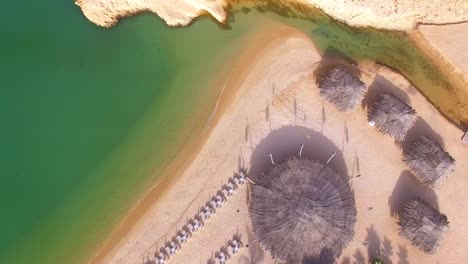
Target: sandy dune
x=393, y=15
x=275, y=109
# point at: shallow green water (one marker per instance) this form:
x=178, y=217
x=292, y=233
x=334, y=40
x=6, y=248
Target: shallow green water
x=90, y=116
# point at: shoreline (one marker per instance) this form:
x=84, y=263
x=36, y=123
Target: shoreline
x=244, y=131
x=172, y=173
x=179, y=165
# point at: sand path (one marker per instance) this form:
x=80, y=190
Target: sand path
x=276, y=108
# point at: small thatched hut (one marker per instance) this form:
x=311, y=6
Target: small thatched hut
x=392, y=116
x=428, y=161
x=342, y=89
x=423, y=225
x=302, y=209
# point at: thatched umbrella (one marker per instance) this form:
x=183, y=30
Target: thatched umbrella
x=428, y=161
x=302, y=209
x=423, y=225
x=392, y=116
x=342, y=89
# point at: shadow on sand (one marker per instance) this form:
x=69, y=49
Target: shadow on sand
x=421, y=128
x=284, y=143
x=379, y=86
x=332, y=58
x=406, y=188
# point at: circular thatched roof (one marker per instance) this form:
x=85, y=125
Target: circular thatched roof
x=302, y=209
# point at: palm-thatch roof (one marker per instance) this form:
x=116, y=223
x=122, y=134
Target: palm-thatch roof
x=300, y=209
x=392, y=116
x=342, y=89
x=428, y=161
x=423, y=225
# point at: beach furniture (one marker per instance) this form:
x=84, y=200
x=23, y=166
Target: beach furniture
x=428, y=161
x=423, y=225
x=172, y=248
x=182, y=237
x=228, y=191
x=234, y=247
x=240, y=178
x=221, y=258
x=392, y=116
x=342, y=88
x=160, y=258
x=206, y=212
x=194, y=225
x=217, y=201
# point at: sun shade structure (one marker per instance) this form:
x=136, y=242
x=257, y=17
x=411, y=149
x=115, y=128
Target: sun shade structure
x=428, y=161
x=392, y=116
x=342, y=89
x=302, y=209
x=423, y=225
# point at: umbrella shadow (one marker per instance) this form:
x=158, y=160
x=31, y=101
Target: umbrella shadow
x=379, y=86
x=284, y=143
x=333, y=58
x=402, y=255
x=406, y=188
x=378, y=248
x=421, y=128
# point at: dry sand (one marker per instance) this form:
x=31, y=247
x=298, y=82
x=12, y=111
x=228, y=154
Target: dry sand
x=391, y=14
x=277, y=107
x=451, y=42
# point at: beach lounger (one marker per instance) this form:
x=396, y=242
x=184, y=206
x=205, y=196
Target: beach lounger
x=221, y=258
x=160, y=258
x=217, y=201
x=194, y=225
x=206, y=212
x=234, y=247
x=182, y=237
x=228, y=191
x=240, y=178
x=172, y=248
x=168, y=250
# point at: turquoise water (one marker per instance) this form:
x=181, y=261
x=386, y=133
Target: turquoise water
x=91, y=116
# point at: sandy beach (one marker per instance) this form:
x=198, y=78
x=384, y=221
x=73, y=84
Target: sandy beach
x=274, y=107
x=450, y=42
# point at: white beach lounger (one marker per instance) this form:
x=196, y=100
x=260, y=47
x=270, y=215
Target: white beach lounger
x=228, y=191
x=234, y=247
x=240, y=178
x=172, y=248
x=214, y=204
x=182, y=236
x=206, y=212
x=222, y=258
x=160, y=258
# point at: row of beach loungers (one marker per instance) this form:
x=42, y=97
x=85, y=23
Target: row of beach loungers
x=197, y=222
x=224, y=254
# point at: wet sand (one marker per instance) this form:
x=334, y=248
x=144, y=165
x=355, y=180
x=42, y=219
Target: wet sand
x=273, y=107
